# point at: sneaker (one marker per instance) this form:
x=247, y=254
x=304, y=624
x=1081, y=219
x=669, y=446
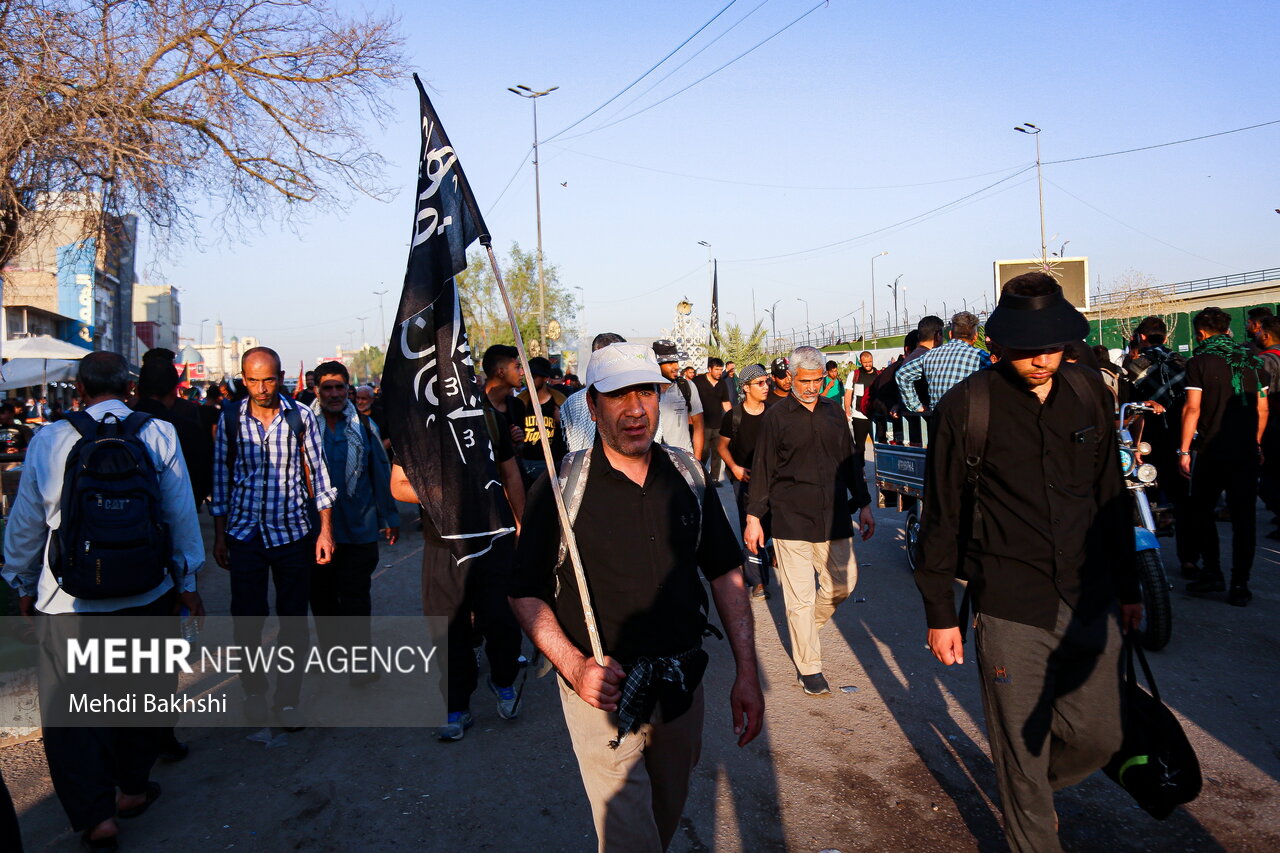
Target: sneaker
x=815, y=685
x=1239, y=596
x=1208, y=582
x=507, y=700
x=459, y=722
x=290, y=719
x=255, y=709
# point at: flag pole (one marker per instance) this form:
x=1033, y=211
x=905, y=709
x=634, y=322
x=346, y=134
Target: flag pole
x=571, y=542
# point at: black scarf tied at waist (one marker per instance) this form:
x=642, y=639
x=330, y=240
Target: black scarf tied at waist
x=669, y=681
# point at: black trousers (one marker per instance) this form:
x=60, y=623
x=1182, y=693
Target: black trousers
x=87, y=764
x=711, y=460
x=1209, y=479
x=341, y=589
x=861, y=429
x=483, y=612
x=1177, y=488
x=10, y=836
x=290, y=567
x=755, y=568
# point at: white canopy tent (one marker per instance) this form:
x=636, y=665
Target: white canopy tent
x=41, y=347
x=28, y=372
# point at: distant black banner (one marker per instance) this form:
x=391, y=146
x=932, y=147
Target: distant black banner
x=437, y=423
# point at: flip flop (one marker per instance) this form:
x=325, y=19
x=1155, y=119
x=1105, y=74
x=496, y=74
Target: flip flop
x=153, y=794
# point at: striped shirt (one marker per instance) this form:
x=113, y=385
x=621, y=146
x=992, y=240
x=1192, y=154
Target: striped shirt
x=266, y=492
x=942, y=367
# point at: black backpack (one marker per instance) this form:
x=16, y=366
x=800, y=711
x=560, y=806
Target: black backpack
x=113, y=541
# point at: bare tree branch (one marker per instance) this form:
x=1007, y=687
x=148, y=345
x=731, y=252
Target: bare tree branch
x=154, y=105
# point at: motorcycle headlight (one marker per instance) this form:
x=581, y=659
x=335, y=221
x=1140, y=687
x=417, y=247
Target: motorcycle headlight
x=1146, y=473
x=1126, y=461
x=1144, y=448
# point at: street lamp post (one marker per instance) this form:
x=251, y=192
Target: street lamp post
x=773, y=319
x=1029, y=128
x=873, y=290
x=382, y=316
x=363, y=342
x=894, y=288
x=202, y=322
x=807, y=333
x=526, y=92
x=711, y=288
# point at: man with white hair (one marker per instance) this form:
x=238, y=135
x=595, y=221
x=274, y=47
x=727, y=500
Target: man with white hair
x=806, y=473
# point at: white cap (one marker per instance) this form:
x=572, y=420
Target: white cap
x=622, y=365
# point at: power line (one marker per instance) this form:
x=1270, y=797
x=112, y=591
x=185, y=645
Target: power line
x=1161, y=145
x=699, y=268
x=1132, y=228
x=886, y=227
x=704, y=77
x=514, y=175
x=780, y=186
x=644, y=75
x=694, y=56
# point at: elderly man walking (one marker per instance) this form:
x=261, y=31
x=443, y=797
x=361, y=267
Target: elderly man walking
x=645, y=524
x=805, y=472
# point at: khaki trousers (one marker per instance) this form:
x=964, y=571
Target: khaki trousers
x=637, y=791
x=815, y=578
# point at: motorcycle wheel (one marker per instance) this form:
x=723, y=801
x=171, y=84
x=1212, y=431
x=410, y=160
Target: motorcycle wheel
x=912, y=538
x=1157, y=611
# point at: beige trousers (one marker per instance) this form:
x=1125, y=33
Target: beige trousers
x=637, y=791
x=815, y=578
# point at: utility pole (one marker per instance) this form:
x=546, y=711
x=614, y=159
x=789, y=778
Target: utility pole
x=382, y=316
x=1029, y=128
x=873, y=289
x=526, y=92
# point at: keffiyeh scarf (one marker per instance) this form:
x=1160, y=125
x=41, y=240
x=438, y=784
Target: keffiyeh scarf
x=1238, y=358
x=355, y=442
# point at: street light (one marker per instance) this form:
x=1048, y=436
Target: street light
x=530, y=94
x=873, y=290
x=773, y=319
x=363, y=341
x=894, y=288
x=202, y=322
x=1029, y=128
x=382, y=316
x=806, y=317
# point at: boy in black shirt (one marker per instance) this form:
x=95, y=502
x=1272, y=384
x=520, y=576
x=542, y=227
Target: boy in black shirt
x=736, y=446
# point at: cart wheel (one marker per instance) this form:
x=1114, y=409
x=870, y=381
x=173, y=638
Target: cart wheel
x=912, y=538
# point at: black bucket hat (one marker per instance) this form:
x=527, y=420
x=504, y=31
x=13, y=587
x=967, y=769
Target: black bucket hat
x=1036, y=322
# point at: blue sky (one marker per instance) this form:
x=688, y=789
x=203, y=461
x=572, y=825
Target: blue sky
x=858, y=117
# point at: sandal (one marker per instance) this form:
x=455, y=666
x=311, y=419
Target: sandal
x=153, y=794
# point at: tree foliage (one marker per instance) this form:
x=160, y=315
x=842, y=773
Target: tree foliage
x=740, y=347
x=367, y=364
x=152, y=107
x=482, y=307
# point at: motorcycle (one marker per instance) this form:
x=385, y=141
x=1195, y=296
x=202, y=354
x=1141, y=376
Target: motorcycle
x=1157, y=610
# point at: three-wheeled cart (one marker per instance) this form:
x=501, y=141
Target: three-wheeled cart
x=900, y=482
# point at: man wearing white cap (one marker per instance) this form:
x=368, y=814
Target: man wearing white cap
x=645, y=524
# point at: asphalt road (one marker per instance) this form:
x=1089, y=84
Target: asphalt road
x=898, y=763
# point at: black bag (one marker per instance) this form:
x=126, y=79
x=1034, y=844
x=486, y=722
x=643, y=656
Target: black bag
x=1156, y=763
x=113, y=541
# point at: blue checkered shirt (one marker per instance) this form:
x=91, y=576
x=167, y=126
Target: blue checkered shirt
x=266, y=493
x=942, y=367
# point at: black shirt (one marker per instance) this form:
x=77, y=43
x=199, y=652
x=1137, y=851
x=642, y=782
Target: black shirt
x=713, y=398
x=194, y=439
x=742, y=441
x=1228, y=427
x=640, y=551
x=532, y=448
x=1054, y=521
x=804, y=471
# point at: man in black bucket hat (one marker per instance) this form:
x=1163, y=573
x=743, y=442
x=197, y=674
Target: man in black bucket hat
x=1030, y=506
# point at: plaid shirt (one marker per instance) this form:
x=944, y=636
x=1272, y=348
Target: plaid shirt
x=266, y=492
x=942, y=367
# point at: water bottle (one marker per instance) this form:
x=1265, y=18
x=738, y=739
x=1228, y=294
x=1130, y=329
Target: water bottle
x=190, y=631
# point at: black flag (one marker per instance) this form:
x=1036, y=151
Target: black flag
x=715, y=301
x=436, y=420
